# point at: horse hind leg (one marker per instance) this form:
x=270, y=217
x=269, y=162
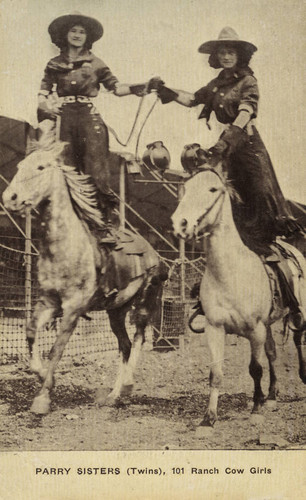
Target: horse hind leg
x=299, y=338
x=271, y=355
x=144, y=308
x=117, y=319
x=257, y=341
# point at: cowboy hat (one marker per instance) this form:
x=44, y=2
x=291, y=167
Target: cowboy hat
x=226, y=36
x=61, y=25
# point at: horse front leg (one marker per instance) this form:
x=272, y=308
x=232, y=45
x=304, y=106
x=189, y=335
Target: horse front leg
x=257, y=341
x=41, y=403
x=43, y=313
x=216, y=340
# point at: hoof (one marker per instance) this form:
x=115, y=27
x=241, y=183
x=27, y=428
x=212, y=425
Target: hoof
x=104, y=398
x=257, y=419
x=302, y=373
x=40, y=405
x=39, y=371
x=271, y=404
x=126, y=390
x=204, y=431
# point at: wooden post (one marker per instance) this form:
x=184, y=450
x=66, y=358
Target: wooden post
x=182, y=248
x=122, y=193
x=182, y=259
x=28, y=267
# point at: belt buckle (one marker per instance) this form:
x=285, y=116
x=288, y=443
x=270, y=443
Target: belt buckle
x=69, y=98
x=82, y=98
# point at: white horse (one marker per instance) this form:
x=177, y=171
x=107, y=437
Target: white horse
x=71, y=262
x=235, y=292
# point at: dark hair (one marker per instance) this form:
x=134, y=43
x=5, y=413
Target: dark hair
x=61, y=40
x=244, y=54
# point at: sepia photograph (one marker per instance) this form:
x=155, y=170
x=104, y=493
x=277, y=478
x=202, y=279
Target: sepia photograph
x=152, y=249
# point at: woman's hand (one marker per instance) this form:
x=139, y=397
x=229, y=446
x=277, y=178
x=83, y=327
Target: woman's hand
x=47, y=111
x=233, y=137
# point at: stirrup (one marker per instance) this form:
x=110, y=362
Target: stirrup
x=111, y=294
x=107, y=240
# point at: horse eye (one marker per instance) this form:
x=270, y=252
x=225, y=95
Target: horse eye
x=213, y=190
x=41, y=167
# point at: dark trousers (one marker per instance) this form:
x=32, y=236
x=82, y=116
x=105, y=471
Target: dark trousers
x=88, y=145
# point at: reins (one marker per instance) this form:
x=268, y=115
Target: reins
x=124, y=144
x=209, y=209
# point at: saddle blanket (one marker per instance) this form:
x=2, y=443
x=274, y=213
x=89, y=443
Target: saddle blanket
x=130, y=259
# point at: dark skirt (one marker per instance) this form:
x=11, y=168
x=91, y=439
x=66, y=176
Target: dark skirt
x=263, y=212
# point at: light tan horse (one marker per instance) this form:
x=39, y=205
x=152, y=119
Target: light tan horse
x=235, y=292
x=70, y=263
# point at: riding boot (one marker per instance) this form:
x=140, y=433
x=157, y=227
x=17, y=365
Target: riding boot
x=106, y=237
x=107, y=281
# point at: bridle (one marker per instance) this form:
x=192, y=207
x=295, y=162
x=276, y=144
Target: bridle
x=209, y=209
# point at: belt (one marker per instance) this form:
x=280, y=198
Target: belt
x=75, y=98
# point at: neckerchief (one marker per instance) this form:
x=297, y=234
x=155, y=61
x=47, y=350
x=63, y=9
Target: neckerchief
x=64, y=64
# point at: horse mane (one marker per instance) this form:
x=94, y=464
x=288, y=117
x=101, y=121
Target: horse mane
x=228, y=183
x=83, y=192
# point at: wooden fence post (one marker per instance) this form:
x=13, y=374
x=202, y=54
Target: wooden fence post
x=28, y=267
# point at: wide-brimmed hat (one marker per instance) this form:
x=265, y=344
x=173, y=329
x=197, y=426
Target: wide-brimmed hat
x=61, y=25
x=227, y=36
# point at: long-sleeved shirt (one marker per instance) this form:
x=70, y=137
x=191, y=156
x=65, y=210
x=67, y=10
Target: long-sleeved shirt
x=227, y=96
x=82, y=76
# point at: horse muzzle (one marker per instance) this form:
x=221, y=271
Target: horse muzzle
x=12, y=202
x=183, y=229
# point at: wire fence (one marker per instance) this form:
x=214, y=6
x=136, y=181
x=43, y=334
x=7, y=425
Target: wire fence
x=92, y=336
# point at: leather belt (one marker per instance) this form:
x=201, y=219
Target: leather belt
x=75, y=98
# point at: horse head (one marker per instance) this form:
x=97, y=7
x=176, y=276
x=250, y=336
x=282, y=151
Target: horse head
x=33, y=181
x=201, y=203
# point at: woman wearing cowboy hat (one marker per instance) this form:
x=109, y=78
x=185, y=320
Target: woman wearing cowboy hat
x=262, y=214
x=77, y=74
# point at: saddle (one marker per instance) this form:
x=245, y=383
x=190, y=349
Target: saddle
x=281, y=276
x=131, y=258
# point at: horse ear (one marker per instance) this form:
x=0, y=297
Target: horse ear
x=219, y=169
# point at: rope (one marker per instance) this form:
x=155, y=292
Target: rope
x=4, y=180
x=143, y=125
x=132, y=129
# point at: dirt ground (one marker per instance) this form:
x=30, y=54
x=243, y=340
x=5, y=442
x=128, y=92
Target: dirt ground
x=169, y=401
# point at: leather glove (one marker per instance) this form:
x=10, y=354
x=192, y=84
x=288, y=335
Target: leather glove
x=233, y=136
x=139, y=89
x=166, y=95
x=226, y=144
x=155, y=83
x=46, y=112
